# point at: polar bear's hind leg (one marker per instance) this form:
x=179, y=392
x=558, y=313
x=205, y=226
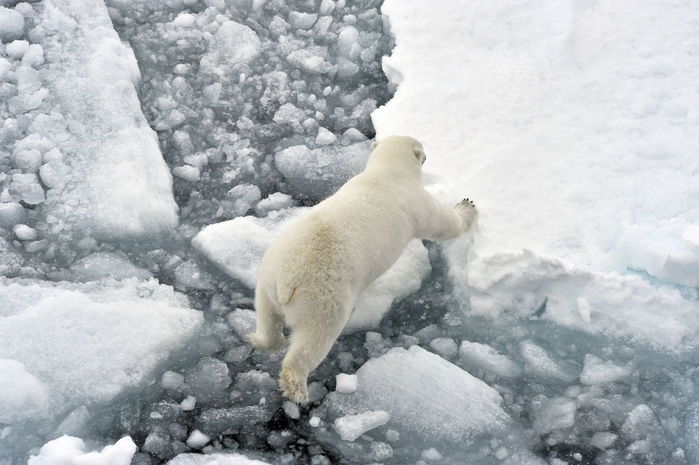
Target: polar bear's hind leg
x=269, y=334
x=311, y=342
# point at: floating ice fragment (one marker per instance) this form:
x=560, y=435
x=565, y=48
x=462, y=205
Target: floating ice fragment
x=16, y=49
x=197, y=439
x=24, y=232
x=325, y=137
x=68, y=450
x=214, y=459
x=172, y=381
x=483, y=356
x=539, y=363
x=101, y=265
x=603, y=439
x=22, y=395
x=207, y=380
x=425, y=395
x=596, y=371
x=311, y=61
x=291, y=410
x=11, y=24
x=556, y=413
x=445, y=347
x=346, y=384
x=232, y=44
x=350, y=427
x=299, y=20
x=65, y=334
x=187, y=172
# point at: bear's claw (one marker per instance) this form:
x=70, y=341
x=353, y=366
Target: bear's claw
x=466, y=203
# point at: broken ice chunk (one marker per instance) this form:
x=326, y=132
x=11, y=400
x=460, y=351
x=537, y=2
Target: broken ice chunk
x=244, y=197
x=348, y=43
x=539, y=363
x=197, y=439
x=276, y=201
x=299, y=20
x=208, y=379
x=100, y=265
x=603, y=439
x=16, y=49
x=232, y=44
x=214, y=459
x=187, y=172
x=317, y=173
x=289, y=114
x=444, y=346
x=22, y=395
x=346, y=384
x=65, y=334
x=325, y=137
x=556, y=413
x=482, y=356
x=71, y=450
x=11, y=24
x=350, y=427
x=24, y=232
x=26, y=187
x=311, y=61
x=639, y=424
x=11, y=213
x=189, y=275
x=426, y=396
x=596, y=371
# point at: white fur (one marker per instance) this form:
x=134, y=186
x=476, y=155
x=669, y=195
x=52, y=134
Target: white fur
x=311, y=276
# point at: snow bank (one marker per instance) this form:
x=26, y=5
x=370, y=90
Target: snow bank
x=84, y=343
x=237, y=246
x=108, y=178
x=425, y=396
x=68, y=450
x=573, y=129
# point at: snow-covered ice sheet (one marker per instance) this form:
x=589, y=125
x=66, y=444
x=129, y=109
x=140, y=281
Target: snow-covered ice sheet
x=108, y=177
x=67, y=345
x=573, y=126
x=68, y=450
x=236, y=247
x=425, y=396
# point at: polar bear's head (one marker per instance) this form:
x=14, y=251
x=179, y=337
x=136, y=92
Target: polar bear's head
x=397, y=153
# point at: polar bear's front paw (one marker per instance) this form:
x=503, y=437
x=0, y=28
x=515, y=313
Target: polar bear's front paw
x=293, y=385
x=467, y=211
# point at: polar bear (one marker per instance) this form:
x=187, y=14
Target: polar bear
x=311, y=276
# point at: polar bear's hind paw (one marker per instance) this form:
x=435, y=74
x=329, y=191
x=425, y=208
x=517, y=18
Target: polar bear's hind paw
x=293, y=385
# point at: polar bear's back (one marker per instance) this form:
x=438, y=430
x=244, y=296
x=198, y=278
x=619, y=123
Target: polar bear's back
x=344, y=242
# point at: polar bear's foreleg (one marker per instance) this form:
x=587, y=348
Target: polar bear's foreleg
x=311, y=342
x=447, y=223
x=269, y=334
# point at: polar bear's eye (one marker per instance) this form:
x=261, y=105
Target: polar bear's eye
x=419, y=154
